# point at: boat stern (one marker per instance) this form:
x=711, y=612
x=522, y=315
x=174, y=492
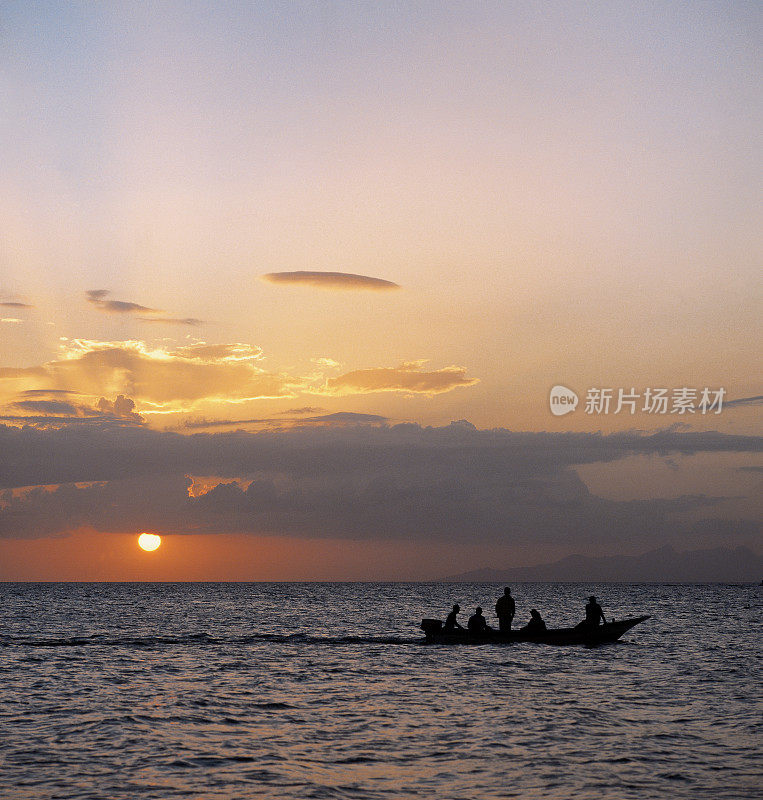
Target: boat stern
x=431, y=626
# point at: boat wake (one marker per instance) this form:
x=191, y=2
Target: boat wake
x=199, y=639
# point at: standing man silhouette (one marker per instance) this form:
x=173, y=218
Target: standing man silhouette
x=504, y=610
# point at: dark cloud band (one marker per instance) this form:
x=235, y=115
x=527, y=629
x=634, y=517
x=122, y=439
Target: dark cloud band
x=362, y=482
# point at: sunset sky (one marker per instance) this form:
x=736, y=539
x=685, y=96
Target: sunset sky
x=289, y=284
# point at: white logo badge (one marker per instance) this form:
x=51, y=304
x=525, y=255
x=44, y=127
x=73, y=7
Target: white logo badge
x=562, y=400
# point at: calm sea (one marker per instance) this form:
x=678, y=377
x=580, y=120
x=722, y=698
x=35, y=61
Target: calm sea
x=165, y=691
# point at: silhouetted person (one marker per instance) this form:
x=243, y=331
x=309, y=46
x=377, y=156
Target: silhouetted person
x=593, y=613
x=504, y=610
x=536, y=622
x=451, y=621
x=477, y=623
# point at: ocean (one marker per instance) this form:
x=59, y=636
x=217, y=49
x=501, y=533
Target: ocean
x=325, y=690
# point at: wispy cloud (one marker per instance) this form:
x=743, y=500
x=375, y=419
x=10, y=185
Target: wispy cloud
x=98, y=298
x=202, y=422
x=329, y=280
x=192, y=321
x=46, y=406
x=14, y=304
x=11, y=320
x=408, y=377
x=32, y=393
x=337, y=418
x=744, y=401
x=349, y=418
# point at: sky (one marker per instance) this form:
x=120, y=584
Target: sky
x=291, y=284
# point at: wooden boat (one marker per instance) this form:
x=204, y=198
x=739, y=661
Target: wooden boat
x=582, y=634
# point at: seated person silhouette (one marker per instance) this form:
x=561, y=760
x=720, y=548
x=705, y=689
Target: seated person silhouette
x=477, y=623
x=593, y=614
x=451, y=621
x=536, y=622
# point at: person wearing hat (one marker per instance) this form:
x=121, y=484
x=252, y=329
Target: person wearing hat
x=593, y=612
x=451, y=621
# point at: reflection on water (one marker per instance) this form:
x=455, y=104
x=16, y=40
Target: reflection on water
x=326, y=691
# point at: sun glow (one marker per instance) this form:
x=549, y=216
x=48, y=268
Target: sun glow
x=149, y=541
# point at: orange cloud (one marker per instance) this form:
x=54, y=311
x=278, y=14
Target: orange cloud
x=408, y=377
x=167, y=379
x=164, y=380
x=329, y=280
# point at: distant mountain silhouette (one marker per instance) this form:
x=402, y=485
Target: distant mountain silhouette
x=719, y=565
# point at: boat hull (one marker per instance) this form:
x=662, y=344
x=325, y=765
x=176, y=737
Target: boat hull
x=589, y=636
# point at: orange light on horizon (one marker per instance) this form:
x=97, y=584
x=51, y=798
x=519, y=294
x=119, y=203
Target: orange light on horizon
x=149, y=541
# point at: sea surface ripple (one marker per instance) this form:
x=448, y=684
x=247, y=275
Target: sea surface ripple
x=305, y=690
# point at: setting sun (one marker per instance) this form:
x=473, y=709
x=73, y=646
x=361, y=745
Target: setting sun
x=149, y=541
